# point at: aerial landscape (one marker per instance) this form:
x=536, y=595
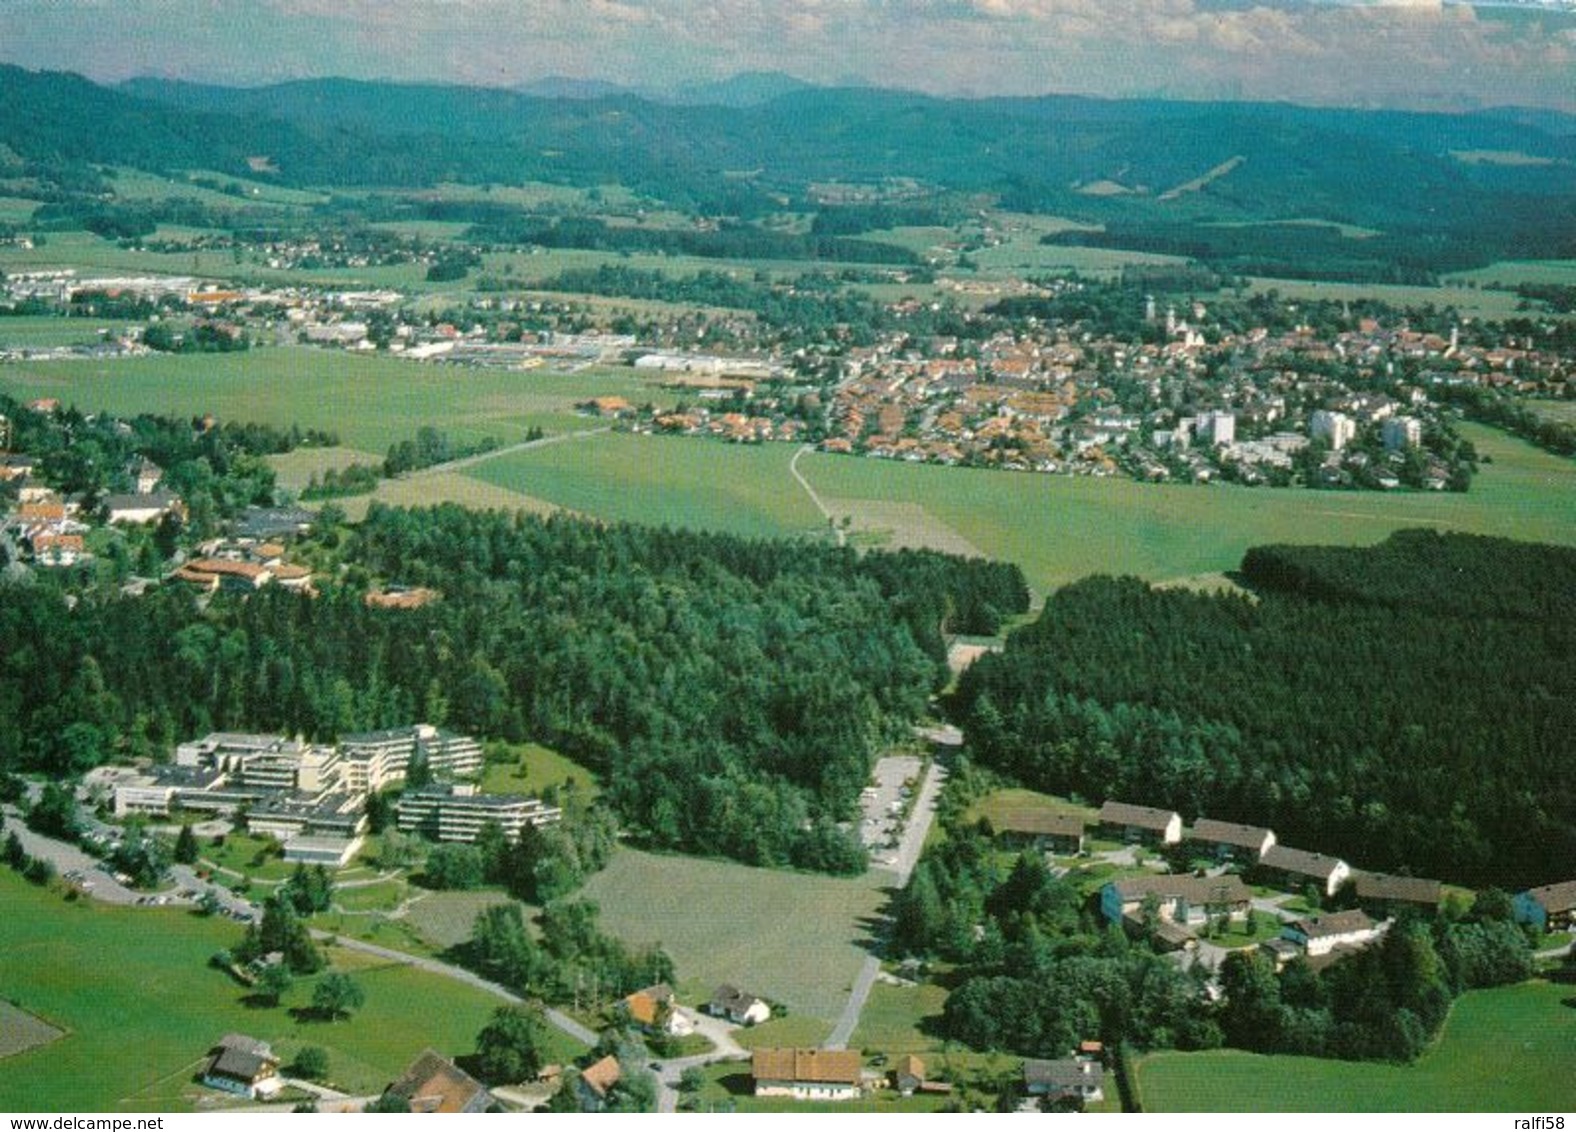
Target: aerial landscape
x=719, y=556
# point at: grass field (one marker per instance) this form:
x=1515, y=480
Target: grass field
x=675, y=481
x=1505, y=1050
x=1471, y=301
x=35, y=331
x=792, y=937
x=1002, y=807
x=371, y=401
x=20, y=1031
x=1060, y=529
x=133, y=990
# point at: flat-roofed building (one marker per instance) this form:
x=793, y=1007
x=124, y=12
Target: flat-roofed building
x=458, y=812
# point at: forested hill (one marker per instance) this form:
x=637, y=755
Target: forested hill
x=1410, y=706
x=1395, y=171
x=732, y=693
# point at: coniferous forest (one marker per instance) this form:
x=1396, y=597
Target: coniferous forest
x=731, y=692
x=1410, y=707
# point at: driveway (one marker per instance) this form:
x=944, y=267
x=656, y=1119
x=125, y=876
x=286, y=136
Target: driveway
x=725, y=1048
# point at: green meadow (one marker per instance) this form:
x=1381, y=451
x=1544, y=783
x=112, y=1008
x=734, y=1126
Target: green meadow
x=1060, y=529
x=371, y=400
x=1505, y=1050
x=139, y=1004
x=674, y=481
x=794, y=937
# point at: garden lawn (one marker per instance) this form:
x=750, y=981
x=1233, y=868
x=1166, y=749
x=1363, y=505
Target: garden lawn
x=793, y=937
x=1510, y=1049
x=140, y=1005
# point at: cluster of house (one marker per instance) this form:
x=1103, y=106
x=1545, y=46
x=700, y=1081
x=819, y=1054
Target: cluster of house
x=1172, y=907
x=50, y=530
x=242, y=565
x=246, y=1067
x=313, y=797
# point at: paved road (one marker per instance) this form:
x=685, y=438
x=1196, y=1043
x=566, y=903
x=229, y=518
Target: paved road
x=720, y=1034
x=909, y=849
x=433, y=966
x=509, y=449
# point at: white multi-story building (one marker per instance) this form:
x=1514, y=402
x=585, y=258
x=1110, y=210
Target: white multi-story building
x=1218, y=428
x=1338, y=428
x=1402, y=432
x=458, y=812
x=374, y=759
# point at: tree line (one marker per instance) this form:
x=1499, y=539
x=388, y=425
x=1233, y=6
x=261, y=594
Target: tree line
x=1409, y=706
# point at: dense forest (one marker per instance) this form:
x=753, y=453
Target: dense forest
x=730, y=691
x=1410, y=707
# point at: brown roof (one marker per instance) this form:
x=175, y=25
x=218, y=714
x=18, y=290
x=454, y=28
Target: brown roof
x=1555, y=898
x=1334, y=923
x=248, y=570
x=602, y=1076
x=1229, y=833
x=435, y=1084
x=1144, y=817
x=842, y=1066
x=1225, y=889
x=911, y=1065
x=1411, y=890
x=1040, y=823
x=1300, y=861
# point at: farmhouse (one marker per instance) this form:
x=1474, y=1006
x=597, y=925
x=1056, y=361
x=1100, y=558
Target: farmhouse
x=1320, y=935
x=1551, y=908
x=655, y=1010
x=738, y=1007
x=1143, y=824
x=1048, y=832
x=433, y=1083
x=243, y=1066
x=596, y=1081
x=1229, y=841
x=1065, y=1079
x=1186, y=900
x=807, y=1074
x=1298, y=866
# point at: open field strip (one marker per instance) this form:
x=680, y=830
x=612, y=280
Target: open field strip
x=891, y=525
x=1514, y=271
x=370, y=400
x=21, y=1031
x=1470, y=301
x=133, y=989
x=1510, y=1049
x=1062, y=528
x=797, y=938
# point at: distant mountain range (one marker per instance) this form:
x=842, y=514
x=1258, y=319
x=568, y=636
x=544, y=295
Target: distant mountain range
x=718, y=146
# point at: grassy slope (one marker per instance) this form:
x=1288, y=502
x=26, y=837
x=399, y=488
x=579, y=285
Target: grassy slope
x=133, y=989
x=1505, y=1050
x=787, y=936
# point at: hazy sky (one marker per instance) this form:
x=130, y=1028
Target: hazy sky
x=1375, y=52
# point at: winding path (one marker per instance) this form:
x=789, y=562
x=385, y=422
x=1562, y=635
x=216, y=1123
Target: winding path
x=793, y=466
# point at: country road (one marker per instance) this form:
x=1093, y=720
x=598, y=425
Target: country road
x=793, y=466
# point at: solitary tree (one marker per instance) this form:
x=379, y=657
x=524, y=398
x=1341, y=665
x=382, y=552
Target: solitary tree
x=186, y=846
x=337, y=994
x=312, y=1063
x=274, y=981
x=509, y=1047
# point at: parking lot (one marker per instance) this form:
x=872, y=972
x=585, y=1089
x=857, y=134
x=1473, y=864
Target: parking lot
x=883, y=803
